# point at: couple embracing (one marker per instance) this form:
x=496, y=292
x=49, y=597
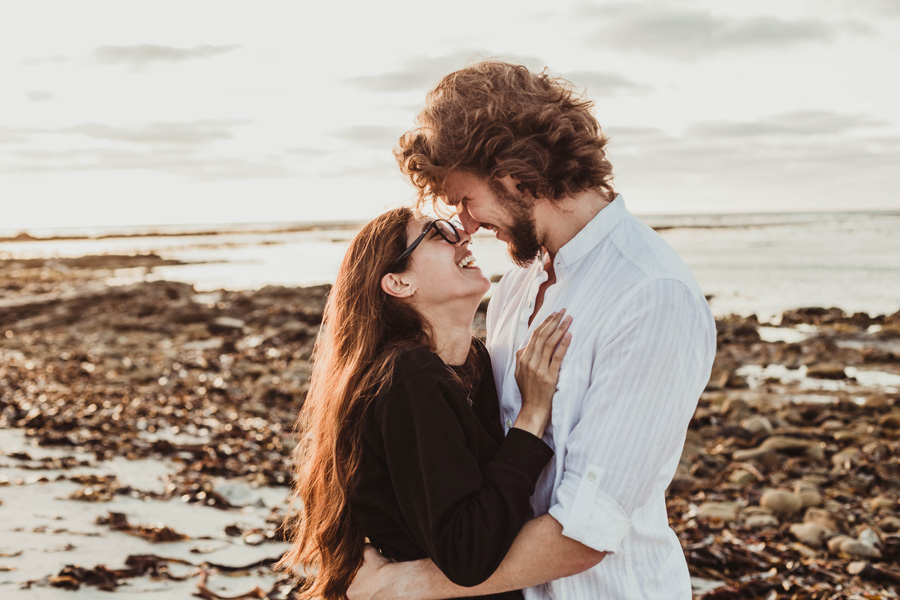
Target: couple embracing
x=432, y=466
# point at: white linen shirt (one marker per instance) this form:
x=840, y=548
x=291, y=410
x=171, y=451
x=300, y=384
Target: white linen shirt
x=643, y=343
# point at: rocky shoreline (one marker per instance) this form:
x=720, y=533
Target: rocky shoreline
x=788, y=485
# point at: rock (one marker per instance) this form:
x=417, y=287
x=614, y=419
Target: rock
x=826, y=371
x=757, y=424
x=742, y=477
x=832, y=425
x=875, y=401
x=834, y=544
x=868, y=536
x=723, y=511
x=821, y=517
x=858, y=549
x=846, y=458
x=781, y=502
x=761, y=521
x=226, y=325
x=684, y=483
x=883, y=501
x=811, y=534
x=890, y=421
x=735, y=408
x=889, y=524
x=808, y=494
x=782, y=445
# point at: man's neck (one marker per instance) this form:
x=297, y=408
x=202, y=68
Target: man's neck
x=561, y=220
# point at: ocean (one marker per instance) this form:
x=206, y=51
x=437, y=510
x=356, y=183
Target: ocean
x=747, y=263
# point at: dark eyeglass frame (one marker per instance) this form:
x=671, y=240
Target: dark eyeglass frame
x=455, y=227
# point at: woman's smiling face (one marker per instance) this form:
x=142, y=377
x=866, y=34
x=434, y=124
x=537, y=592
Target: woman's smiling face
x=442, y=271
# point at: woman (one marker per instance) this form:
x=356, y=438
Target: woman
x=403, y=441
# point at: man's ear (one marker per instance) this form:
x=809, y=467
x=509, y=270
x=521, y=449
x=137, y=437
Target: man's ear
x=514, y=187
x=394, y=285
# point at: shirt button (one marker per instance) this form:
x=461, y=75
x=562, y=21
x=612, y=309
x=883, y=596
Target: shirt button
x=591, y=477
x=509, y=422
x=528, y=305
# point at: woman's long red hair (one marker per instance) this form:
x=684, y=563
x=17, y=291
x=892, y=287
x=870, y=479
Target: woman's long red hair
x=363, y=331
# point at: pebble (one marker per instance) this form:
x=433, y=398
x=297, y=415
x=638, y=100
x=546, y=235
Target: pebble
x=834, y=544
x=742, y=477
x=890, y=420
x=761, y=521
x=826, y=371
x=889, y=524
x=781, y=502
x=811, y=534
x=757, y=424
x=821, y=517
x=723, y=511
x=808, y=494
x=844, y=458
x=855, y=548
x=777, y=444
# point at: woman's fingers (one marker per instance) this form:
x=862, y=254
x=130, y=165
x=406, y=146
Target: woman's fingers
x=559, y=352
x=539, y=336
x=554, y=339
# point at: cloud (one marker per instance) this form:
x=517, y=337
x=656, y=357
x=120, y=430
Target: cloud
x=142, y=55
x=195, y=132
x=795, y=123
x=692, y=33
x=39, y=96
x=420, y=75
x=307, y=152
x=372, y=136
x=779, y=157
x=600, y=84
x=183, y=163
x=44, y=60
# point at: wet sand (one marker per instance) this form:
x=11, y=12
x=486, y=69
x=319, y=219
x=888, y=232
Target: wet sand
x=145, y=434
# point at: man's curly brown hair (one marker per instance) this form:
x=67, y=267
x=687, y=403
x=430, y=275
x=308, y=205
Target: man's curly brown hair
x=495, y=119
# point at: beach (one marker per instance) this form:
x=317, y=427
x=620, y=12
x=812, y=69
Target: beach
x=146, y=416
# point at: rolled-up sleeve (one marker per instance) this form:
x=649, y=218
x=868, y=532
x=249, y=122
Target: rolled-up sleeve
x=648, y=372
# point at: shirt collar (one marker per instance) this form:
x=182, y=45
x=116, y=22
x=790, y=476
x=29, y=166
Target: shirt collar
x=591, y=234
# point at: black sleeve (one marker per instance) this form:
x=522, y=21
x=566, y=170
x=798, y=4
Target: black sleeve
x=464, y=517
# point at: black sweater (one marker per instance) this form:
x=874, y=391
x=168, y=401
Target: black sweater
x=438, y=479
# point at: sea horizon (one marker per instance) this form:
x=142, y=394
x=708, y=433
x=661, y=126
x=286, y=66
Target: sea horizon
x=655, y=220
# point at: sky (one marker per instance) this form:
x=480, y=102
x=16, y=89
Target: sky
x=158, y=112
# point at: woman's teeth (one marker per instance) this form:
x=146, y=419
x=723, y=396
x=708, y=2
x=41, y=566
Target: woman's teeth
x=465, y=262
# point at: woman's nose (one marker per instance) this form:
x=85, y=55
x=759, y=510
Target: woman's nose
x=464, y=237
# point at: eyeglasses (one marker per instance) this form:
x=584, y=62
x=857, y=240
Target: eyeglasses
x=447, y=230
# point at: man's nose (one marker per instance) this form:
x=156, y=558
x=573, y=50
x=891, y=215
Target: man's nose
x=468, y=223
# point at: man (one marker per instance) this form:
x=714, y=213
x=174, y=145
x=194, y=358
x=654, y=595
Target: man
x=520, y=154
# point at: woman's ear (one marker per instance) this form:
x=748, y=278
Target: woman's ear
x=394, y=285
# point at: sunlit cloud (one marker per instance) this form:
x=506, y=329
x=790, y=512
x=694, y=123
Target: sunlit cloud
x=421, y=74
x=197, y=132
x=372, y=136
x=142, y=55
x=599, y=84
x=39, y=96
x=689, y=33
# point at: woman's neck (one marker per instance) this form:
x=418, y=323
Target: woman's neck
x=453, y=344
x=451, y=331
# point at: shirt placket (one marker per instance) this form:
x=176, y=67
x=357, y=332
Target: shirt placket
x=521, y=337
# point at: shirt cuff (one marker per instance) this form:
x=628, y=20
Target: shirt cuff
x=525, y=451
x=588, y=514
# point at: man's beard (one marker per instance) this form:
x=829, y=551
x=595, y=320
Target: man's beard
x=523, y=245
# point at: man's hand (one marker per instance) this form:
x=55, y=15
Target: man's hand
x=540, y=553
x=367, y=584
